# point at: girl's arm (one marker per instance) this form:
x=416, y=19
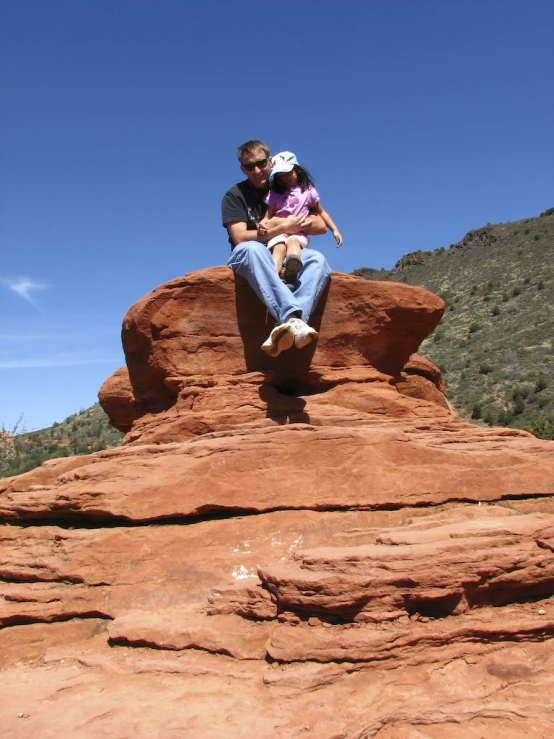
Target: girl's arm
x=266, y=229
x=329, y=223
x=270, y=212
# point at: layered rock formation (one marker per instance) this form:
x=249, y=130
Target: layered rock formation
x=307, y=546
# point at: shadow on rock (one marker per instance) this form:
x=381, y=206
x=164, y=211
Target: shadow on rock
x=255, y=323
x=282, y=405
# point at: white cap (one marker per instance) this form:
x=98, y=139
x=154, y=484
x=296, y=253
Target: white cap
x=285, y=161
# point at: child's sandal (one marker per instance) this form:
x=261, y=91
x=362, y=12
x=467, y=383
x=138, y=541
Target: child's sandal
x=290, y=286
x=292, y=268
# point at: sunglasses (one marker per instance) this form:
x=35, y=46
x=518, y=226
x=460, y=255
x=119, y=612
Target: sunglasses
x=261, y=164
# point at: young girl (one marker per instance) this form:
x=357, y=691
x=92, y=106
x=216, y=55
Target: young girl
x=292, y=192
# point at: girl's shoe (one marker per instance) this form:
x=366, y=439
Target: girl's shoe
x=292, y=268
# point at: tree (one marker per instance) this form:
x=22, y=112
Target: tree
x=477, y=411
x=7, y=444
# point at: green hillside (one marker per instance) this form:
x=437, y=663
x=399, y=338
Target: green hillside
x=495, y=342
x=82, y=433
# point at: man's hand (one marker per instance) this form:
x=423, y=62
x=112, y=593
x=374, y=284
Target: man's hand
x=262, y=229
x=296, y=224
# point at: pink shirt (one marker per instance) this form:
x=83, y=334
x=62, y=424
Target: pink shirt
x=293, y=202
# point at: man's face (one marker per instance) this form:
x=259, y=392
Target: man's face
x=259, y=174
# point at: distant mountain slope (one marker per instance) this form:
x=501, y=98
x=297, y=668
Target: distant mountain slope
x=81, y=433
x=495, y=343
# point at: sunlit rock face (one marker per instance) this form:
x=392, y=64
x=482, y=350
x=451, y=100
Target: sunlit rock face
x=307, y=546
x=193, y=347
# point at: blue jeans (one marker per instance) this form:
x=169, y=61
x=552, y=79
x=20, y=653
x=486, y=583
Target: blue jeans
x=253, y=261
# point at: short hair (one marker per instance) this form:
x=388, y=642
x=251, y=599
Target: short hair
x=250, y=147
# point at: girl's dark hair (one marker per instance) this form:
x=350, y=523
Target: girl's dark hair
x=304, y=180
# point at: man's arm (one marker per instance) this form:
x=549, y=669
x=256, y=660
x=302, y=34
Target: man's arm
x=316, y=225
x=239, y=232
x=312, y=224
x=234, y=218
x=267, y=229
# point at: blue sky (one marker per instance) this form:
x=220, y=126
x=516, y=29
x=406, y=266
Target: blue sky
x=419, y=119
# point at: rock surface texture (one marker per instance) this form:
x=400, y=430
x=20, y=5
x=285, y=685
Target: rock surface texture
x=308, y=546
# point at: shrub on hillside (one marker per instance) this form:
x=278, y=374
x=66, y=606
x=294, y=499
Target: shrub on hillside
x=519, y=406
x=513, y=372
x=541, y=384
x=10, y=446
x=7, y=448
x=542, y=428
x=489, y=418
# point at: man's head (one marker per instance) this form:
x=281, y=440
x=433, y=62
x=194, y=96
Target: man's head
x=255, y=163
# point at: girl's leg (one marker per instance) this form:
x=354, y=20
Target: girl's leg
x=294, y=263
x=294, y=247
x=278, y=254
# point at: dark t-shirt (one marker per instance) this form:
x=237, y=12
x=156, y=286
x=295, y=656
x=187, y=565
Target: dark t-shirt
x=243, y=203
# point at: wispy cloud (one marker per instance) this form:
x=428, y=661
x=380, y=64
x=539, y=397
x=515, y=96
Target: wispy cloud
x=43, y=362
x=25, y=287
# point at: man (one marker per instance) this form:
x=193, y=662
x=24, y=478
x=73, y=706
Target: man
x=243, y=208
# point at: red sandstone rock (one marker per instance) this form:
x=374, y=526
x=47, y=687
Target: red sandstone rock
x=414, y=643
x=448, y=571
x=117, y=400
x=417, y=365
x=260, y=470
x=211, y=324
x=248, y=601
x=406, y=558
x=179, y=628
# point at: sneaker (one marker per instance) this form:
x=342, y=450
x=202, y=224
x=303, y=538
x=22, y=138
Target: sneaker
x=303, y=334
x=292, y=268
x=281, y=338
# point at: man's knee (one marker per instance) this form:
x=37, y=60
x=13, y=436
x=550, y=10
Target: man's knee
x=316, y=258
x=242, y=252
